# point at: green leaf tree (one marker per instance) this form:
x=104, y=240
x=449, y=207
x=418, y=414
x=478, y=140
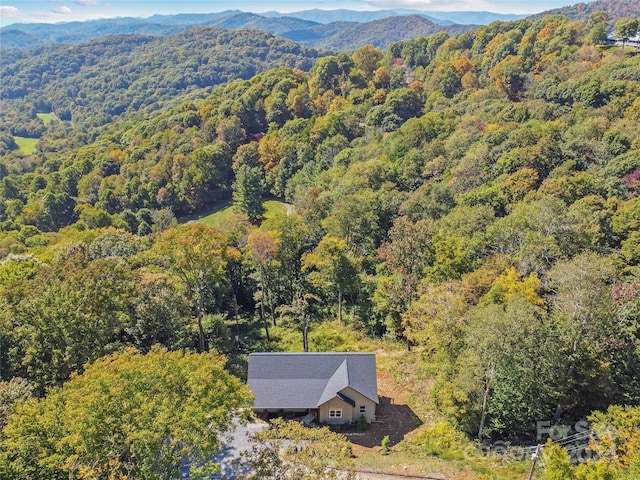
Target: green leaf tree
x=127, y=416
x=299, y=313
x=366, y=59
x=198, y=256
x=291, y=451
x=65, y=317
x=247, y=192
x=584, y=316
x=333, y=267
x=557, y=465
x=404, y=259
x=12, y=393
x=598, y=33
x=262, y=247
x=625, y=28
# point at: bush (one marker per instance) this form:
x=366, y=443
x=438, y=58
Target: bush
x=384, y=444
x=363, y=425
x=442, y=440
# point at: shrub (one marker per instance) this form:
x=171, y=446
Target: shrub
x=442, y=440
x=363, y=425
x=384, y=444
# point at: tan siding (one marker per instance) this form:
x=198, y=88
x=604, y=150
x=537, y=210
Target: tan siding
x=349, y=413
x=336, y=404
x=361, y=400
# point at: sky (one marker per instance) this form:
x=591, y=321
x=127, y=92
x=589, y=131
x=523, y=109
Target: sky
x=52, y=11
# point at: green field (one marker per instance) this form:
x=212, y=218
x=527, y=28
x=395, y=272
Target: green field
x=272, y=209
x=47, y=118
x=27, y=145
x=215, y=217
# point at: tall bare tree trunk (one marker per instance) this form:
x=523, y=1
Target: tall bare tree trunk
x=485, y=401
x=262, y=314
x=305, y=335
x=199, y=290
x=235, y=316
x=202, y=345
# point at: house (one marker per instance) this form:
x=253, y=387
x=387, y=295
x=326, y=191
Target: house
x=629, y=42
x=335, y=387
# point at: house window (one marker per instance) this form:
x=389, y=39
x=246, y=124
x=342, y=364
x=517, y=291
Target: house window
x=363, y=409
x=335, y=413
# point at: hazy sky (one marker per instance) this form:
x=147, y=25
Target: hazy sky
x=50, y=11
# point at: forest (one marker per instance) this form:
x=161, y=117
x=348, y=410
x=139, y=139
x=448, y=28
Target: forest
x=468, y=202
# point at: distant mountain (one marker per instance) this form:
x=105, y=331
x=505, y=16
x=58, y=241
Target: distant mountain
x=464, y=18
x=331, y=16
x=276, y=26
x=337, y=35
x=81, y=32
x=441, y=18
x=333, y=29
x=616, y=9
x=192, y=19
x=11, y=37
x=379, y=33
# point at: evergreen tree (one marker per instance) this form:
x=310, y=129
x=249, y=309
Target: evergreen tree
x=247, y=192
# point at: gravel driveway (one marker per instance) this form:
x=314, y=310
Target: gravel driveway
x=237, y=441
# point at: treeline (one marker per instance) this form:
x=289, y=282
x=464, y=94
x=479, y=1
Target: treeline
x=474, y=196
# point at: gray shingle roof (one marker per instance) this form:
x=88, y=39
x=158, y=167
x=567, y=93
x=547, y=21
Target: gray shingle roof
x=307, y=380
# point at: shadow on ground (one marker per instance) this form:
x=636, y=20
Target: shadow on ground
x=392, y=420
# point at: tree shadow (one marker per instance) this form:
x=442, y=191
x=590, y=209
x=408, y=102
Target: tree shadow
x=393, y=420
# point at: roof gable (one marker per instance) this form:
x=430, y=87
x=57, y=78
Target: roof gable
x=307, y=380
x=338, y=381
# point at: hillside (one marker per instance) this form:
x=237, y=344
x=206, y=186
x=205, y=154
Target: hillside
x=467, y=205
x=616, y=9
x=277, y=26
x=379, y=33
x=93, y=83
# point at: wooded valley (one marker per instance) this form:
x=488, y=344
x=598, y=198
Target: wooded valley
x=469, y=203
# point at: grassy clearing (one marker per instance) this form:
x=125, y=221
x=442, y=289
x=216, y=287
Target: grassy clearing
x=47, y=118
x=272, y=208
x=214, y=218
x=27, y=145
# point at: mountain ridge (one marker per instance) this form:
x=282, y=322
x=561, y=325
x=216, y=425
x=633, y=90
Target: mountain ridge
x=440, y=17
x=321, y=25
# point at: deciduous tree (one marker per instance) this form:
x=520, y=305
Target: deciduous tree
x=291, y=451
x=262, y=247
x=625, y=28
x=333, y=267
x=198, y=256
x=127, y=416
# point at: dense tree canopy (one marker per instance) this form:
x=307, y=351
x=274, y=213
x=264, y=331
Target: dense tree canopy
x=474, y=197
x=128, y=415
